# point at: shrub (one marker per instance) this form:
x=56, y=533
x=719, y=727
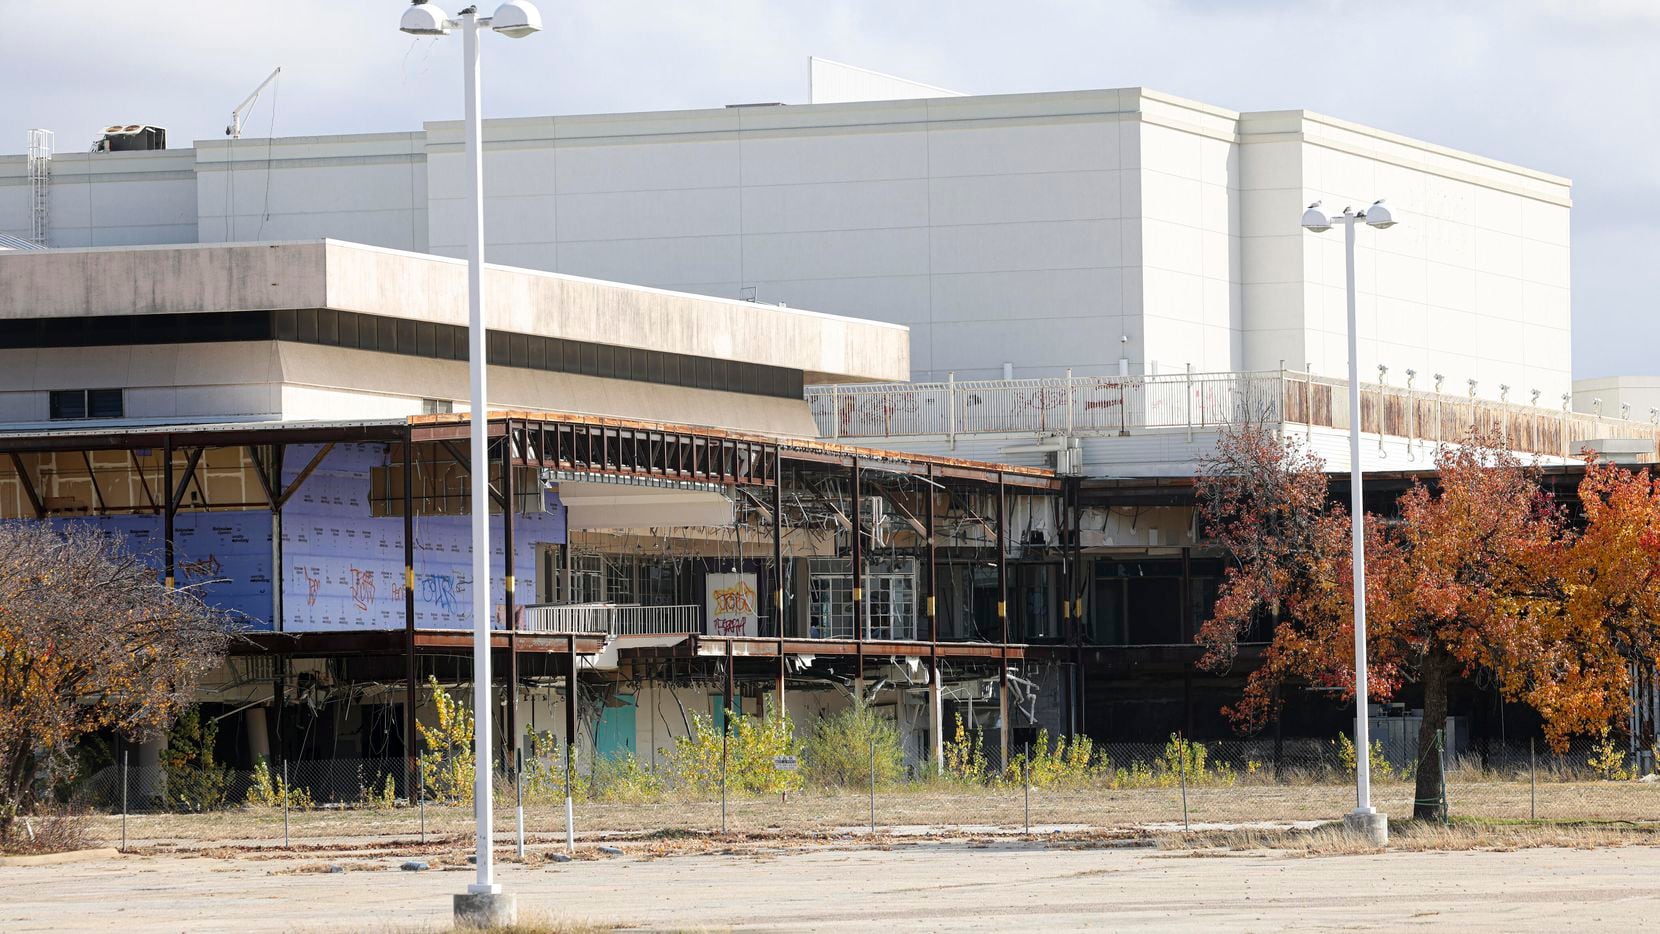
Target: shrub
x=381, y=798
x=544, y=774
x=195, y=782
x=843, y=746
x=1382, y=769
x=447, y=749
x=748, y=750
x=54, y=830
x=273, y=793
x=965, y=754
x=1607, y=759
x=622, y=779
x=1051, y=763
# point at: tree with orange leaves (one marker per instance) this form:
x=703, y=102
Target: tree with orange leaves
x=1610, y=575
x=1464, y=581
x=90, y=639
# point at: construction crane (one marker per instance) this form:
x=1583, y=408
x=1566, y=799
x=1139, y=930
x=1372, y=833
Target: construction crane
x=234, y=131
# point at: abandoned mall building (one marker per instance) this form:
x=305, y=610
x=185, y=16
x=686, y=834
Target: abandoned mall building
x=898, y=400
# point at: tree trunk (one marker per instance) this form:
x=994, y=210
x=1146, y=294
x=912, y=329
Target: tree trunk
x=1437, y=671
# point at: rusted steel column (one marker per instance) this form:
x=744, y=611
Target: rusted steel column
x=409, y=686
x=1003, y=614
x=511, y=733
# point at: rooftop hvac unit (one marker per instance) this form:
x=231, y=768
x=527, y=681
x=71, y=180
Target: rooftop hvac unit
x=131, y=137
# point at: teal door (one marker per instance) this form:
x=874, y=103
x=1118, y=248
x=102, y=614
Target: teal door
x=615, y=736
x=719, y=713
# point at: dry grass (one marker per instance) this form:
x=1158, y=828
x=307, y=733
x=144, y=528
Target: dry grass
x=58, y=831
x=1417, y=837
x=835, y=818
x=949, y=806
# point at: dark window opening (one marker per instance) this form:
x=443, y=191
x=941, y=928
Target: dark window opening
x=87, y=403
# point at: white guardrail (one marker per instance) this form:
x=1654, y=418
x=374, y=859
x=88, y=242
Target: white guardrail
x=613, y=619
x=1124, y=405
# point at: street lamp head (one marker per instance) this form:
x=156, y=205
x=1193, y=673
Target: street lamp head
x=1379, y=216
x=424, y=19
x=1315, y=219
x=516, y=19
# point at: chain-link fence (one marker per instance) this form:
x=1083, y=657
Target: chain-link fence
x=1047, y=787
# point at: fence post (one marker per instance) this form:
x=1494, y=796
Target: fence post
x=423, y=800
x=123, y=800
x=1071, y=419
x=570, y=809
x=1026, y=781
x=285, y=796
x=1181, y=768
x=1532, y=783
x=951, y=410
x=1441, y=762
x=519, y=797
x=873, y=783
x=1189, y=403
x=723, y=745
x=835, y=412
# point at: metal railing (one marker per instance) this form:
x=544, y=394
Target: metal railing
x=1124, y=405
x=1066, y=405
x=613, y=619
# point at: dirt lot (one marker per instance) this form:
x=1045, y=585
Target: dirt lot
x=973, y=885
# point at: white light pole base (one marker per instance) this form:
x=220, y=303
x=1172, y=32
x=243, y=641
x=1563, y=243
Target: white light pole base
x=1369, y=825
x=486, y=909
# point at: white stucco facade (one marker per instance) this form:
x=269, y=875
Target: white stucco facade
x=1048, y=232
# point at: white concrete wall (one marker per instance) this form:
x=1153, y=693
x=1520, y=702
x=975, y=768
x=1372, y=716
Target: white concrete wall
x=994, y=228
x=106, y=198
x=306, y=382
x=1048, y=231
x=367, y=188
x=1193, y=304
x=1472, y=283
x=1642, y=393
x=831, y=82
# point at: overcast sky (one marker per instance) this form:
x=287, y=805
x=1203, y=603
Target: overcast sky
x=1564, y=87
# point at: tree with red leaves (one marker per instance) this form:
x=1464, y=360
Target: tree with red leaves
x=1464, y=581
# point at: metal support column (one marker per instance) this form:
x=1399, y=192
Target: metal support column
x=1003, y=615
x=409, y=675
x=858, y=567
x=511, y=733
x=778, y=575
x=571, y=695
x=728, y=683
x=936, y=713
x=1080, y=588
x=858, y=557
x=168, y=510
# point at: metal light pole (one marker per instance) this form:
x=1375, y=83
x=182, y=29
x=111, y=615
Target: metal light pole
x=484, y=901
x=1365, y=819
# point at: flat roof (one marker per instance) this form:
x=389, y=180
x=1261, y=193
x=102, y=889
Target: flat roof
x=125, y=434
x=116, y=282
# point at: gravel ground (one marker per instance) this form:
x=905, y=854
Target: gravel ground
x=982, y=885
